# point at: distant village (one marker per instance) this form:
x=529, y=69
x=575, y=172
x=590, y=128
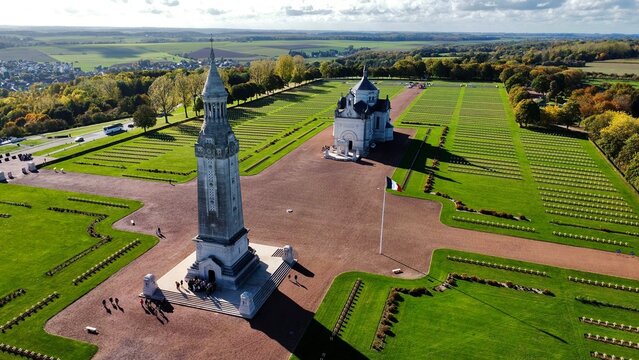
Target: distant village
x=19, y=75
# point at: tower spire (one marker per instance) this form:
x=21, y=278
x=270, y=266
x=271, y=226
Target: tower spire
x=212, y=54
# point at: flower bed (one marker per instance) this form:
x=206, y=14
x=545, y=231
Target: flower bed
x=148, y=178
x=15, y=204
x=497, y=266
x=591, y=301
x=162, y=171
x=103, y=165
x=450, y=281
x=98, y=202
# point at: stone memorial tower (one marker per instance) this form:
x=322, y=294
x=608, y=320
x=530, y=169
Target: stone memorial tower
x=222, y=252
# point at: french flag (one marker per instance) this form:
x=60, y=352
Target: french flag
x=392, y=184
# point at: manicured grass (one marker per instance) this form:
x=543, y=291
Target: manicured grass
x=488, y=162
x=267, y=129
x=472, y=320
x=35, y=240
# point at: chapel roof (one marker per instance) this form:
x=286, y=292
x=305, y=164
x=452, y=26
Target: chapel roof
x=214, y=87
x=364, y=83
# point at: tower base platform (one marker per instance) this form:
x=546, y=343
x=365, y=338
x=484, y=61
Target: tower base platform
x=268, y=275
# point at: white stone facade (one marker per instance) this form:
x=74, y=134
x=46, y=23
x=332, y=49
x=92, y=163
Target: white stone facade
x=361, y=119
x=222, y=252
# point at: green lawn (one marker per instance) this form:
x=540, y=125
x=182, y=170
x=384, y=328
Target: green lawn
x=562, y=185
x=472, y=320
x=267, y=129
x=36, y=239
x=634, y=83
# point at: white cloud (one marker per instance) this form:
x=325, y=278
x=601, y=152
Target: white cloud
x=605, y=16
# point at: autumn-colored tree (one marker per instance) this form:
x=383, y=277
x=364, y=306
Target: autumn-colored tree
x=183, y=91
x=284, y=67
x=260, y=70
x=614, y=136
x=527, y=112
x=161, y=96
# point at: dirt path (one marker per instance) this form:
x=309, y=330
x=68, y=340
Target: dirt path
x=334, y=227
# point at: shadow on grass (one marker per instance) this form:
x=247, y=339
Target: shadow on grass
x=546, y=332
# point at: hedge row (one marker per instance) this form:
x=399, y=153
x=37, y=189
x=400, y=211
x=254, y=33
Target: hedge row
x=507, y=284
x=98, y=202
x=495, y=224
x=148, y=178
x=30, y=311
x=97, y=164
x=497, y=266
x=76, y=257
x=604, y=284
x=590, y=238
x=591, y=301
x=594, y=218
x=25, y=353
x=102, y=264
x=14, y=294
x=612, y=341
x=161, y=171
x=347, y=307
x=607, y=324
x=15, y=203
x=387, y=320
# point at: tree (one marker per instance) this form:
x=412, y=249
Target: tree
x=183, y=91
x=260, y=70
x=325, y=69
x=595, y=123
x=199, y=106
x=517, y=94
x=527, y=112
x=284, y=67
x=144, y=117
x=569, y=114
x=614, y=136
x=197, y=80
x=628, y=152
x=161, y=95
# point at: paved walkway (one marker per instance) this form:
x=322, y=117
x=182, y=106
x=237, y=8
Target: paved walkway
x=334, y=227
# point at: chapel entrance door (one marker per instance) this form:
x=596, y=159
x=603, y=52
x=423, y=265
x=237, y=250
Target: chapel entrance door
x=350, y=145
x=212, y=276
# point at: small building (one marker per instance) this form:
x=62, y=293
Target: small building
x=362, y=119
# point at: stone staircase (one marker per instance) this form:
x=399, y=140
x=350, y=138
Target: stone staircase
x=267, y=289
x=210, y=303
x=202, y=302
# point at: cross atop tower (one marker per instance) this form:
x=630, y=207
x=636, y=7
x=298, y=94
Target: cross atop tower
x=212, y=55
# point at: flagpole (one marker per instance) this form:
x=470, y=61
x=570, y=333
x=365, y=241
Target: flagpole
x=381, y=231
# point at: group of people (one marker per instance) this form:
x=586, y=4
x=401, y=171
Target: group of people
x=197, y=285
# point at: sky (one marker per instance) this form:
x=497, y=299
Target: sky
x=532, y=16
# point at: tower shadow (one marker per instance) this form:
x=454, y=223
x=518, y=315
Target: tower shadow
x=293, y=327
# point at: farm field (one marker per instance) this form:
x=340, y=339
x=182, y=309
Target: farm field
x=55, y=238
x=474, y=318
x=618, y=66
x=88, y=56
x=634, y=83
x=267, y=129
x=560, y=183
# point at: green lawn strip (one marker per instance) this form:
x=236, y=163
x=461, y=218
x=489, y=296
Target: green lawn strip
x=51, y=150
x=475, y=320
x=264, y=138
x=40, y=239
x=500, y=144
